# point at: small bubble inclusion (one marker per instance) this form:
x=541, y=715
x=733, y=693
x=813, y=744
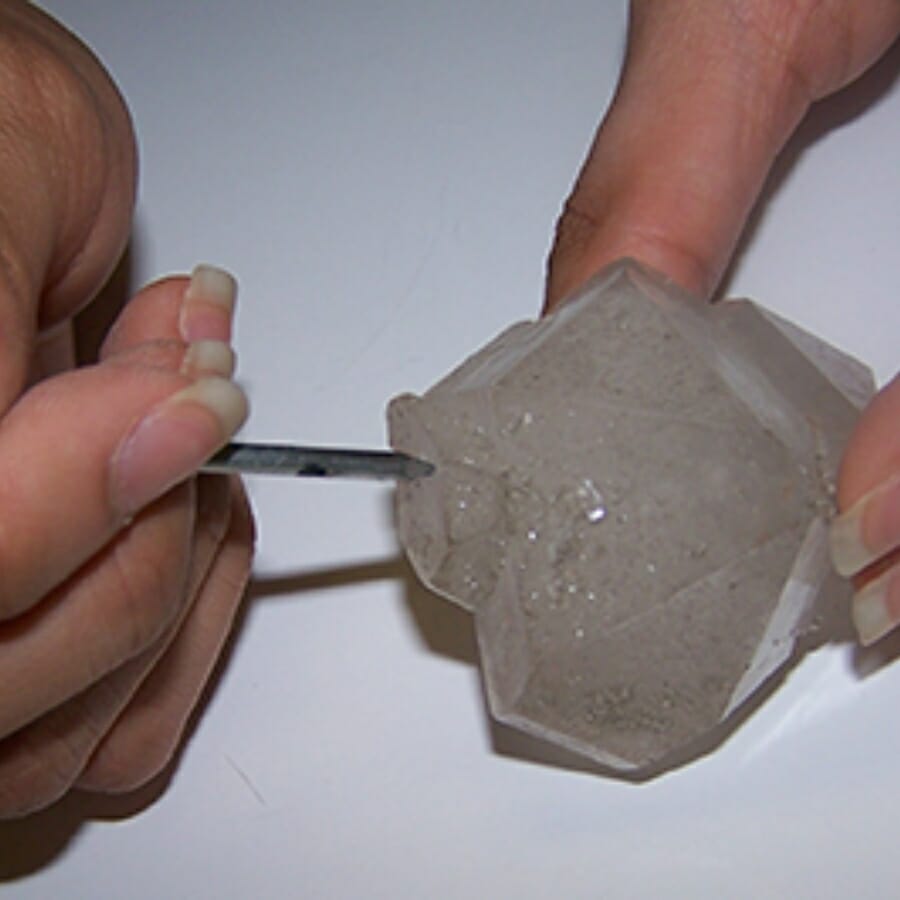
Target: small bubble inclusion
x=594, y=505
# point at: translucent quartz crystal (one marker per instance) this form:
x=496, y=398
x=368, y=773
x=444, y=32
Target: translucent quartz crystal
x=631, y=498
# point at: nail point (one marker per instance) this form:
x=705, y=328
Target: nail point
x=208, y=357
x=221, y=397
x=871, y=616
x=212, y=284
x=848, y=553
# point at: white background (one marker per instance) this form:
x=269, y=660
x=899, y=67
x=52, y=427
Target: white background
x=383, y=178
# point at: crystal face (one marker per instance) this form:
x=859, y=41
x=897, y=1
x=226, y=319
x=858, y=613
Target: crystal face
x=631, y=498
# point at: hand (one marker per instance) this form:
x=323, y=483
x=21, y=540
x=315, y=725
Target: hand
x=710, y=92
x=121, y=573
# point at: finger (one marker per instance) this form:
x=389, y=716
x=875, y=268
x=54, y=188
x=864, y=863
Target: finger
x=72, y=487
x=41, y=761
x=195, y=310
x=876, y=605
x=709, y=93
x=681, y=155
x=108, y=612
x=66, y=184
x=866, y=535
x=145, y=737
x=869, y=529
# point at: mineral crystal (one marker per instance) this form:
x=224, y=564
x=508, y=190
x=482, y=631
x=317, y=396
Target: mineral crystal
x=631, y=497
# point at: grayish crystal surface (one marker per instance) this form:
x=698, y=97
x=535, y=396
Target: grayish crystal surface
x=631, y=498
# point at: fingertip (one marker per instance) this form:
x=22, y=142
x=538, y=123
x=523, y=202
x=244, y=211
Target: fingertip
x=146, y=737
x=868, y=530
x=122, y=766
x=848, y=551
x=207, y=357
x=876, y=607
x=208, y=306
x=198, y=309
x=584, y=244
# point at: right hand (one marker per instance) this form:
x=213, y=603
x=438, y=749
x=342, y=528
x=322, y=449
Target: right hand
x=121, y=572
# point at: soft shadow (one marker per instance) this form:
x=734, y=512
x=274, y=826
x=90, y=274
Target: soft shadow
x=274, y=587
x=93, y=323
x=827, y=115
x=29, y=844
x=868, y=661
x=445, y=628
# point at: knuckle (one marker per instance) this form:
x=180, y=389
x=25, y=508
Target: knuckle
x=590, y=235
x=39, y=80
x=22, y=62
x=43, y=93
x=574, y=229
x=162, y=354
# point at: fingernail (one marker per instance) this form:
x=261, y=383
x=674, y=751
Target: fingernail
x=868, y=530
x=876, y=607
x=208, y=358
x=174, y=440
x=208, y=305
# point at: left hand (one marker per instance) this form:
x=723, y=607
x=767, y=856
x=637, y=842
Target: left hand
x=121, y=572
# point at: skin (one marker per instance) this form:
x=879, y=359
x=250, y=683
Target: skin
x=119, y=585
x=710, y=92
x=119, y=592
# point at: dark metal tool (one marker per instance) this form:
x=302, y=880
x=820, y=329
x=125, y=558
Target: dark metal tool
x=316, y=462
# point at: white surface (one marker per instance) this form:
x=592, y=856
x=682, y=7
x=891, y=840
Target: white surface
x=383, y=179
